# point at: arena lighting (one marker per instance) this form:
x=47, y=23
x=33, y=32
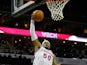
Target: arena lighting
x=23, y=32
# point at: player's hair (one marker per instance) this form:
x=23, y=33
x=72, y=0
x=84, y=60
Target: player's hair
x=45, y=41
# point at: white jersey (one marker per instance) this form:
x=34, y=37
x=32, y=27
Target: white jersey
x=43, y=57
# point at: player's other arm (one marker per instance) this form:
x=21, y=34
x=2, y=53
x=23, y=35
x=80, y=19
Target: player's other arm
x=54, y=61
x=34, y=37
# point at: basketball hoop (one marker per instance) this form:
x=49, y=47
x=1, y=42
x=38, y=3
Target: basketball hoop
x=56, y=8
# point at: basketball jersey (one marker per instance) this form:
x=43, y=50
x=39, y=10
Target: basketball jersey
x=43, y=57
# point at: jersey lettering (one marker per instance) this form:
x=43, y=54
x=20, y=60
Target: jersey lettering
x=46, y=56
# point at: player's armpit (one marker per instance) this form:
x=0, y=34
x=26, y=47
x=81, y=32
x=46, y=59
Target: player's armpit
x=36, y=44
x=55, y=61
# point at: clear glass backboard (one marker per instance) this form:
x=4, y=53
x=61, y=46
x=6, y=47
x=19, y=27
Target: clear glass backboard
x=19, y=7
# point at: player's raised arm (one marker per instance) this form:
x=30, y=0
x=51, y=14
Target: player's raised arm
x=34, y=37
x=37, y=16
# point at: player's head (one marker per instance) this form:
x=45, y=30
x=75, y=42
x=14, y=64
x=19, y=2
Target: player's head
x=46, y=44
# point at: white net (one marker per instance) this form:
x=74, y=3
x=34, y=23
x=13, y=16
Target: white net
x=56, y=8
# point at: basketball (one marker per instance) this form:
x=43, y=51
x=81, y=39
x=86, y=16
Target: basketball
x=38, y=15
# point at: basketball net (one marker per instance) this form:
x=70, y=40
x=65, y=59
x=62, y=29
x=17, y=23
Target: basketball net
x=56, y=8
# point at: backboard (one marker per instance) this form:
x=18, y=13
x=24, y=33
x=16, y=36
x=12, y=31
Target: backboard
x=19, y=7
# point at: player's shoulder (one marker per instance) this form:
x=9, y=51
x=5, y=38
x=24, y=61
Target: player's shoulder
x=54, y=55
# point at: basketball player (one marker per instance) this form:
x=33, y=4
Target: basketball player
x=43, y=54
